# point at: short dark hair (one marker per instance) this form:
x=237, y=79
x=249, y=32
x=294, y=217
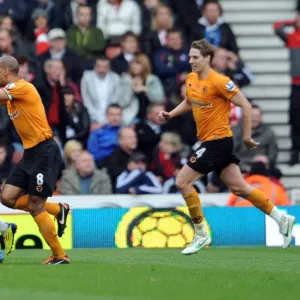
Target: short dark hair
x=128, y=34
x=22, y=60
x=102, y=57
x=173, y=30
x=257, y=107
x=81, y=6
x=207, y=2
x=205, y=48
x=113, y=105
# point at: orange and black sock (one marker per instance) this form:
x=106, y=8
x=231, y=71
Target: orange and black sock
x=258, y=199
x=193, y=203
x=47, y=230
x=51, y=208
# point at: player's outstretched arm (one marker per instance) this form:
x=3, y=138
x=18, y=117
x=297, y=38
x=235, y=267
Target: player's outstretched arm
x=180, y=109
x=239, y=100
x=4, y=97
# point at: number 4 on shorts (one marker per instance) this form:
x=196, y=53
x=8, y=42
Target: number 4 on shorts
x=200, y=152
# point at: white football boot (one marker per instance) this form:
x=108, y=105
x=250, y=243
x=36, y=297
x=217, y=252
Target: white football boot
x=286, y=225
x=201, y=240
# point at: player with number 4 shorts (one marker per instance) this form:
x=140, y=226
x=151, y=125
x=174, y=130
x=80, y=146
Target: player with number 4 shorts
x=209, y=96
x=33, y=179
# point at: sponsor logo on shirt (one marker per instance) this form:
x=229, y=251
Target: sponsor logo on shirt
x=230, y=86
x=202, y=104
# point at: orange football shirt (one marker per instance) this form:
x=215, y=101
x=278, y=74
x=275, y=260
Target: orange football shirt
x=210, y=101
x=27, y=112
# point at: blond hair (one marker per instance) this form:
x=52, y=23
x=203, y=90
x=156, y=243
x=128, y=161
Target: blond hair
x=146, y=65
x=70, y=147
x=205, y=48
x=172, y=138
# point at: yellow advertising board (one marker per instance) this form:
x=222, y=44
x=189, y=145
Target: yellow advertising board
x=28, y=235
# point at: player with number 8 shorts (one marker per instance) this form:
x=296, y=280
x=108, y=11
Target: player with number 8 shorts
x=209, y=96
x=33, y=179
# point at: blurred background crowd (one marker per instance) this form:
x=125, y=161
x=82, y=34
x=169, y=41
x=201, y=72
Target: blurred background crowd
x=104, y=69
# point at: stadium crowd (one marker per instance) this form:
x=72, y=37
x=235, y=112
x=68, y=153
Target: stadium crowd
x=104, y=69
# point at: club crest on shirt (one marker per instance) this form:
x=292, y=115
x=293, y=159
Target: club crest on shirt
x=14, y=115
x=230, y=86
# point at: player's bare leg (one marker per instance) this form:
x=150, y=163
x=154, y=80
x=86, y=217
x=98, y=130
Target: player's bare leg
x=15, y=198
x=36, y=207
x=234, y=180
x=184, y=182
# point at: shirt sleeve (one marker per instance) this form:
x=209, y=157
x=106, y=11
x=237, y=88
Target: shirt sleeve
x=15, y=91
x=226, y=87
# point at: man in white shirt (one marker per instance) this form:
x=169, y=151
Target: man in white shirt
x=99, y=88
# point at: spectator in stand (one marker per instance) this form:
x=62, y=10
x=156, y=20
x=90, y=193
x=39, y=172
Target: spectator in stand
x=24, y=70
x=149, y=130
x=5, y=163
x=292, y=41
x=53, y=10
x=171, y=63
x=87, y=40
x=14, y=8
x=148, y=10
x=103, y=141
x=129, y=45
x=135, y=180
x=72, y=149
x=115, y=17
x=40, y=31
x=259, y=178
x=167, y=155
x=212, y=27
x=118, y=159
x=156, y=37
x=99, y=88
x=229, y=64
x=138, y=89
x=263, y=134
x=7, y=22
x=9, y=47
x=77, y=121
x=58, y=50
x=85, y=179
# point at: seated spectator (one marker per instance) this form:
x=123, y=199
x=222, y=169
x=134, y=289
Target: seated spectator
x=167, y=155
x=212, y=27
x=58, y=50
x=87, y=40
x=229, y=64
x=115, y=17
x=149, y=130
x=129, y=46
x=24, y=71
x=169, y=186
x=5, y=163
x=77, y=121
x=135, y=180
x=14, y=8
x=7, y=22
x=138, y=89
x=53, y=10
x=171, y=63
x=148, y=10
x=85, y=179
x=156, y=37
x=99, y=88
x=261, y=133
x=117, y=161
x=72, y=149
x=40, y=31
x=103, y=141
x=259, y=178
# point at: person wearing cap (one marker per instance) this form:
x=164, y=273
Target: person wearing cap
x=40, y=19
x=136, y=180
x=58, y=50
x=87, y=40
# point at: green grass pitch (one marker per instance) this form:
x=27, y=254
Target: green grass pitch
x=212, y=274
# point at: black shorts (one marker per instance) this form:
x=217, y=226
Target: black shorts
x=213, y=156
x=38, y=170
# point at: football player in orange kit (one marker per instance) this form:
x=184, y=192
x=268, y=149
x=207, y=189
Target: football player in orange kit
x=33, y=179
x=209, y=95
